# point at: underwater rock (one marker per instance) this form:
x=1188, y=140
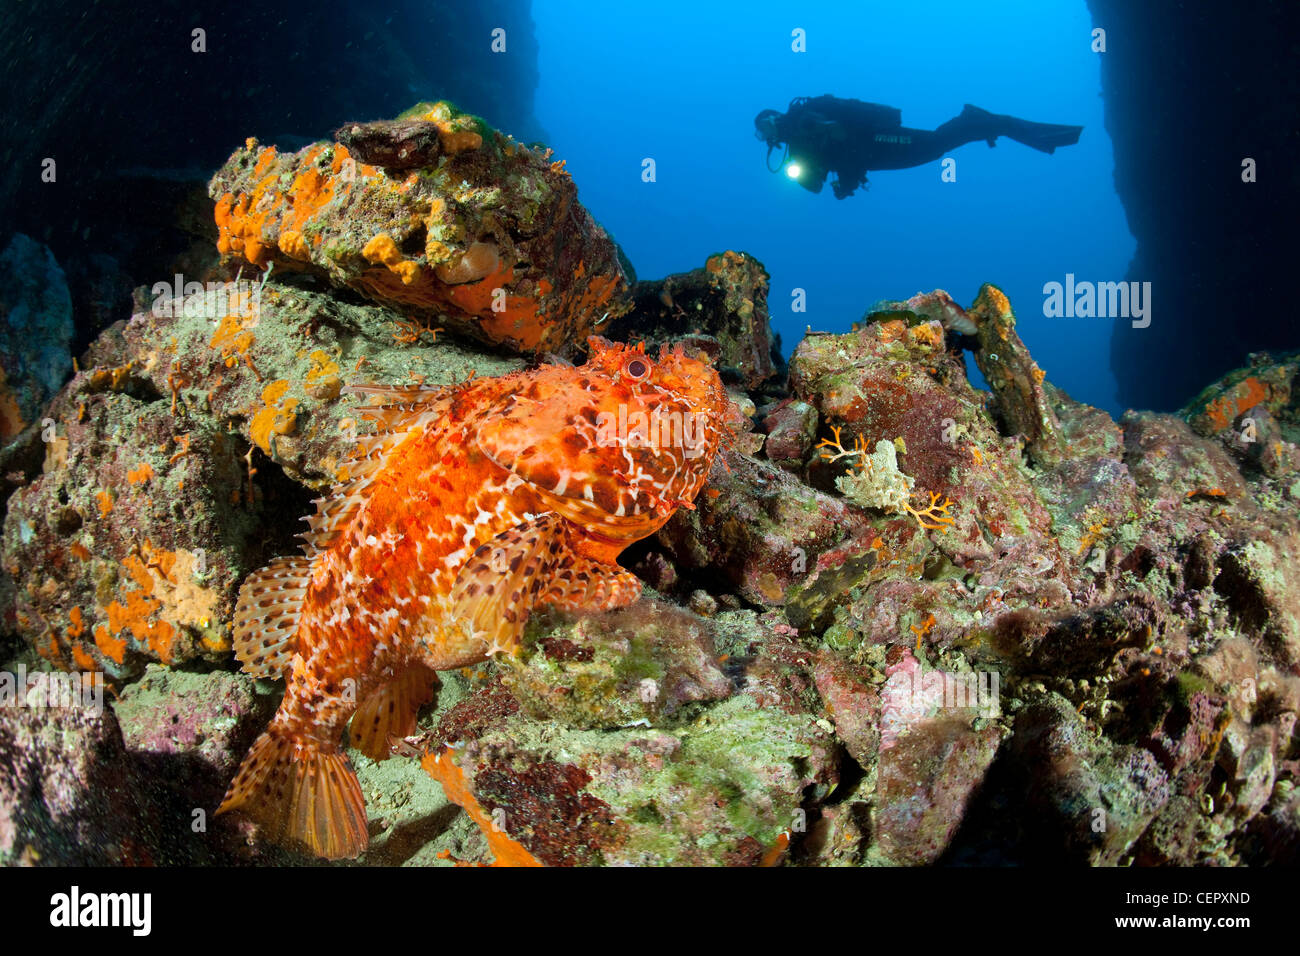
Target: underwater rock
x=763, y=530
x=896, y=378
x=196, y=725
x=35, y=332
x=1276, y=835
x=1174, y=836
x=1260, y=581
x=889, y=381
x=973, y=511
x=937, y=742
x=937, y=306
x=1053, y=427
x=483, y=234
x=67, y=793
x=1263, y=444
x=1255, y=413
x=1168, y=461
x=1254, y=774
x=1268, y=383
x=836, y=837
x=1232, y=669
x=122, y=551
x=1019, y=385
x=724, y=301
x=1078, y=642
x=1088, y=798
x=791, y=430
x=1184, y=740
x=925, y=738
x=1089, y=492
x=725, y=788
x=772, y=665
x=638, y=664
x=852, y=702
x=271, y=361
x=924, y=784
x=185, y=734
x=539, y=763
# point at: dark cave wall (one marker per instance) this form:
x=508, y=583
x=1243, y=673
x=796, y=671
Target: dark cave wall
x=1191, y=89
x=135, y=120
x=115, y=83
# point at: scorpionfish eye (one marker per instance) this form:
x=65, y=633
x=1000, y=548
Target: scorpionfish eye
x=636, y=368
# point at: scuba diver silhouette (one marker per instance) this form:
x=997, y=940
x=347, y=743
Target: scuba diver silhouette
x=827, y=134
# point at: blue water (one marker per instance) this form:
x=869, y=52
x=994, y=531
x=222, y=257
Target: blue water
x=681, y=82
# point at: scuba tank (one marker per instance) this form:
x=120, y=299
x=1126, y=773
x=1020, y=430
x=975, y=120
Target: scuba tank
x=874, y=116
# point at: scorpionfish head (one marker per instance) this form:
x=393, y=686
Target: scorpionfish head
x=618, y=444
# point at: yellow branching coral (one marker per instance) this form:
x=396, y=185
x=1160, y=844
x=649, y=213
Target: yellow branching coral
x=835, y=451
x=934, y=515
x=875, y=481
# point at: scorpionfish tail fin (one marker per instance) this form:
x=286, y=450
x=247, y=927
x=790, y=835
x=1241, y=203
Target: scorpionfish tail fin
x=301, y=796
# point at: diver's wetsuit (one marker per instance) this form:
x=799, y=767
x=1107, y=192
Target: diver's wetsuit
x=849, y=137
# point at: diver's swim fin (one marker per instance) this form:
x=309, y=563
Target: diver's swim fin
x=1044, y=137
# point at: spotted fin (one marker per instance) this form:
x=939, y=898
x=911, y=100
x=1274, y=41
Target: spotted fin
x=391, y=711
x=588, y=585
x=409, y=395
x=502, y=580
x=301, y=795
x=401, y=411
x=266, y=616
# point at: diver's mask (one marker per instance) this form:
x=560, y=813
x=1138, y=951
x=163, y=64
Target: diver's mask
x=765, y=128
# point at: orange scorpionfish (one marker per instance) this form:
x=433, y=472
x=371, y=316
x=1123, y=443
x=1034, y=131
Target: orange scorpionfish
x=467, y=508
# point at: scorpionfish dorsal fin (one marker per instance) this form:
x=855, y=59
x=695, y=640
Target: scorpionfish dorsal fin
x=401, y=411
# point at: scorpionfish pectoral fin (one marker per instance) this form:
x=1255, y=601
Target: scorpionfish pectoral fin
x=533, y=563
x=584, y=584
x=266, y=616
x=500, y=581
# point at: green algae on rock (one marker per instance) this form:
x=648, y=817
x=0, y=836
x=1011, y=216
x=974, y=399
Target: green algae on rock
x=723, y=789
x=639, y=664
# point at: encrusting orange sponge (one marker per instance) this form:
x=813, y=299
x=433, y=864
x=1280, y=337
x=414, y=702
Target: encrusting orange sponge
x=486, y=236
